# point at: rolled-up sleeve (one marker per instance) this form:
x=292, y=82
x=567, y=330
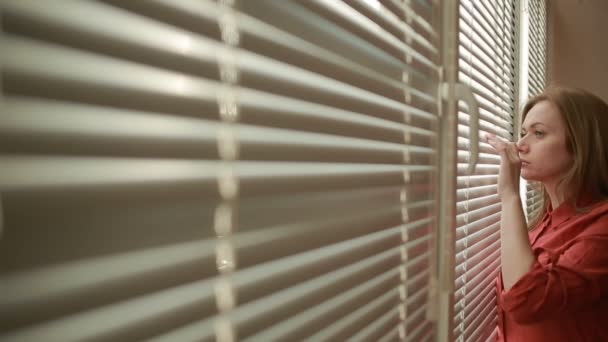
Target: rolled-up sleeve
x=572, y=280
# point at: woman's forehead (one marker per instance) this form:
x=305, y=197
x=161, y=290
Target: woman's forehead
x=543, y=113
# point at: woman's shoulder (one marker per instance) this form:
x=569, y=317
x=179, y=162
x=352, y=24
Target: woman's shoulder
x=597, y=218
x=600, y=208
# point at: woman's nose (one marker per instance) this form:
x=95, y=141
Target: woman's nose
x=522, y=146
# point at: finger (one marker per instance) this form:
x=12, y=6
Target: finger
x=499, y=139
x=490, y=139
x=498, y=145
x=512, y=153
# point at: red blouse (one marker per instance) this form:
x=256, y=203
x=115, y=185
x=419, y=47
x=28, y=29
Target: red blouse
x=564, y=296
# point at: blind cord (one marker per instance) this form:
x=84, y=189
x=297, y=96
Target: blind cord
x=226, y=211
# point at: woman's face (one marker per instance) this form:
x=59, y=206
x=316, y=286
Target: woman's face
x=542, y=147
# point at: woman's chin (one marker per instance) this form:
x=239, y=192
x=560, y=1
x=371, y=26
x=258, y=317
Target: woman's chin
x=527, y=176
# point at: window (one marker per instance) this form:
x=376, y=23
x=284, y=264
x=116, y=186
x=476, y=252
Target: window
x=190, y=169
x=254, y=170
x=487, y=62
x=535, y=54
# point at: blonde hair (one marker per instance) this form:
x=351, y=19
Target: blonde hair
x=586, y=119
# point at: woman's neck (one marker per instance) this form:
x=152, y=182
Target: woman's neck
x=556, y=197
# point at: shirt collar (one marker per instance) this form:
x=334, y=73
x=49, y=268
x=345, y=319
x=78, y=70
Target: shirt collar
x=561, y=213
x=566, y=210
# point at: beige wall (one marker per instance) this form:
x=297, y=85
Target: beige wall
x=578, y=44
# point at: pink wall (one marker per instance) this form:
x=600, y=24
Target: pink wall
x=578, y=44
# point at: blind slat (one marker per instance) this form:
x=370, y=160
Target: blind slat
x=219, y=170
x=326, y=34
x=249, y=318
x=482, y=274
x=480, y=191
x=24, y=172
x=419, y=20
x=487, y=62
x=198, y=331
x=71, y=66
x=478, y=203
x=352, y=322
x=537, y=47
x=475, y=226
x=477, y=242
x=481, y=324
x=323, y=315
x=403, y=26
x=104, y=277
x=347, y=13
x=133, y=319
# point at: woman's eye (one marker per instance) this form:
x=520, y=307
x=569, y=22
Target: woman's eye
x=539, y=133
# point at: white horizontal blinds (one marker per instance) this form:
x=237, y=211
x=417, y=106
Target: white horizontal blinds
x=200, y=170
x=537, y=57
x=537, y=45
x=487, y=64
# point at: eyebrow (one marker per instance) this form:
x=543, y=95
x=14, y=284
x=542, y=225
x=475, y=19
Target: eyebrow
x=533, y=125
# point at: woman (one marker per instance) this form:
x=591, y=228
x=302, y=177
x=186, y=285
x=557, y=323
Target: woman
x=553, y=284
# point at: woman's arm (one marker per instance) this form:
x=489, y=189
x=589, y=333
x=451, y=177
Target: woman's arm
x=559, y=281
x=516, y=252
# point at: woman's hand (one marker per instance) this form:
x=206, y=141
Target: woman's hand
x=516, y=256
x=510, y=166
